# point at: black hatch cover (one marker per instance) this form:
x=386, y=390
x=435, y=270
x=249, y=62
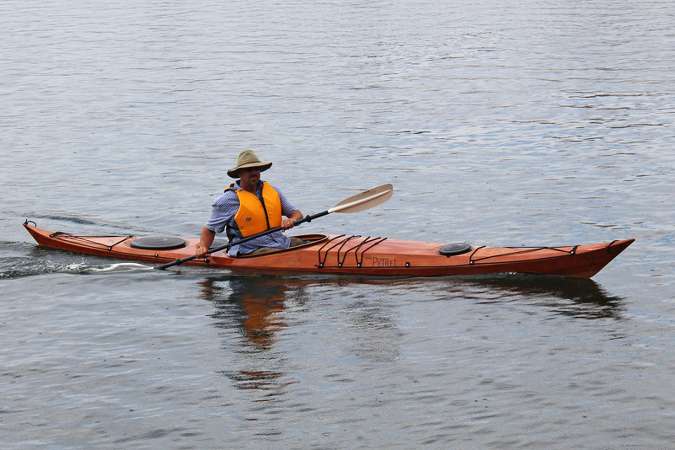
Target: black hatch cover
x=158, y=243
x=454, y=249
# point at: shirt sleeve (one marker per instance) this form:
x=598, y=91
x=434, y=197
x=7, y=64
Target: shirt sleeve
x=286, y=207
x=223, y=211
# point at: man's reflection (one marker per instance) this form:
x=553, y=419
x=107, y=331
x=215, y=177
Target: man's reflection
x=256, y=303
x=255, y=306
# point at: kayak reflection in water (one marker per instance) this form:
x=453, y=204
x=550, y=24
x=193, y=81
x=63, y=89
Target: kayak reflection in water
x=573, y=297
x=250, y=206
x=256, y=305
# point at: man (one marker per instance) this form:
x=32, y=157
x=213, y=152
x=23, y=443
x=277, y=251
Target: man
x=250, y=206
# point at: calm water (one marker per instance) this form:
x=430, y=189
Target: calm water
x=501, y=123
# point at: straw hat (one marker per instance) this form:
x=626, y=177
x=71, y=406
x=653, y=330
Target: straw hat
x=247, y=159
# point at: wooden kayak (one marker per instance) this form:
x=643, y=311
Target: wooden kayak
x=358, y=255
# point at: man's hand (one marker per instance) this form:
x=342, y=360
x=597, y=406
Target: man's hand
x=201, y=251
x=287, y=223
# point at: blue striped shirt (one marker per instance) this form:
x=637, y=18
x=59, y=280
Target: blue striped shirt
x=225, y=207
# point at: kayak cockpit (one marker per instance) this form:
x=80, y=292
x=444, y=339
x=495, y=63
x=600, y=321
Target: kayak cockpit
x=307, y=241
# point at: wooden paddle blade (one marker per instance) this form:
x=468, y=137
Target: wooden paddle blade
x=365, y=200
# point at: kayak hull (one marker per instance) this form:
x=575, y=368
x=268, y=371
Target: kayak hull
x=359, y=255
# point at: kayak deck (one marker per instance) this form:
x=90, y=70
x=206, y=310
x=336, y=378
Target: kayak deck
x=361, y=255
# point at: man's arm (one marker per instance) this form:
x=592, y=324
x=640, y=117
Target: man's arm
x=224, y=209
x=205, y=240
x=291, y=212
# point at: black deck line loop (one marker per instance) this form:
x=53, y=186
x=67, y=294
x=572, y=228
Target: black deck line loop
x=322, y=261
x=328, y=241
x=82, y=238
x=363, y=252
x=341, y=246
x=557, y=248
x=342, y=260
x=358, y=247
x=534, y=247
x=119, y=242
x=471, y=260
x=325, y=257
x=525, y=250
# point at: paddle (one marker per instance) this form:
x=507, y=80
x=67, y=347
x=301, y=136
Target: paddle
x=359, y=202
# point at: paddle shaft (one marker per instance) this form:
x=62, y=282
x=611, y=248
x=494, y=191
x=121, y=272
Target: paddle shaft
x=307, y=218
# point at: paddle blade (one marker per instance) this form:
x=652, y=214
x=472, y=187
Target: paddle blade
x=364, y=200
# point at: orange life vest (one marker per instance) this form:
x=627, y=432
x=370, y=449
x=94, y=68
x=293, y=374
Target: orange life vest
x=256, y=215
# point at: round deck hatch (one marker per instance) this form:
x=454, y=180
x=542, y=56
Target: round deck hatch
x=454, y=249
x=158, y=243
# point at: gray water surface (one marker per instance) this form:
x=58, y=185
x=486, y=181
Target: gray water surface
x=499, y=123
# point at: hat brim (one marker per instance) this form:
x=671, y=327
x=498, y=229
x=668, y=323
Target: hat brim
x=234, y=173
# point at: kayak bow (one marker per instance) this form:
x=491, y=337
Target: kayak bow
x=358, y=255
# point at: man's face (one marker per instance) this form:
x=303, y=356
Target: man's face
x=249, y=177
